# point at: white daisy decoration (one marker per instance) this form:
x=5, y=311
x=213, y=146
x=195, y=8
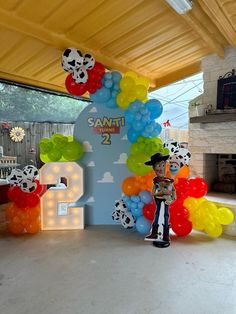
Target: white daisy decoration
x=17, y=134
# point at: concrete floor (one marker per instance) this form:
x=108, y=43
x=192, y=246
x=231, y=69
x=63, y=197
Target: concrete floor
x=110, y=270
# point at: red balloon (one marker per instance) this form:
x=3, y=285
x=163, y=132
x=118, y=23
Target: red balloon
x=149, y=211
x=179, y=213
x=98, y=69
x=16, y=195
x=182, y=228
x=75, y=88
x=40, y=189
x=197, y=187
x=32, y=199
x=182, y=188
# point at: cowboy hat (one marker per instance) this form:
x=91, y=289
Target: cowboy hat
x=158, y=157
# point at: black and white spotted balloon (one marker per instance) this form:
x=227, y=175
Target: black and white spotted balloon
x=15, y=177
x=72, y=59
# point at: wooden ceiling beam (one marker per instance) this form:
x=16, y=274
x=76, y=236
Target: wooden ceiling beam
x=178, y=75
x=11, y=21
x=218, y=16
x=200, y=23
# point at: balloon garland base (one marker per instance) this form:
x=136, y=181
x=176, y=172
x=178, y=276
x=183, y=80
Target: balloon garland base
x=161, y=244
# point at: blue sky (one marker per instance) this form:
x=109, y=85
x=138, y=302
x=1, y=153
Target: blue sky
x=175, y=98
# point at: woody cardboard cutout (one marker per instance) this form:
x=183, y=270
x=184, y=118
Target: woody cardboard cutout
x=164, y=194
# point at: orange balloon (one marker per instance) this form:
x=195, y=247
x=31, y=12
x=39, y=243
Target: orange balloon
x=130, y=186
x=33, y=227
x=11, y=210
x=183, y=173
x=15, y=228
x=34, y=213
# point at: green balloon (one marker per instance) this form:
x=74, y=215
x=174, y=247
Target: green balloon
x=135, y=163
x=165, y=151
x=57, y=137
x=54, y=155
x=45, y=145
x=73, y=151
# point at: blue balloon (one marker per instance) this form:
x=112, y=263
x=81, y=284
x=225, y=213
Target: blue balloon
x=125, y=198
x=103, y=94
x=129, y=117
x=132, y=135
x=137, y=125
x=108, y=76
x=135, y=198
x=93, y=97
x=116, y=87
x=137, y=212
x=143, y=225
x=128, y=203
x=140, y=205
x=149, y=128
x=158, y=128
x=137, y=116
x=108, y=83
x=155, y=107
x=145, y=197
x=133, y=205
x=114, y=93
x=116, y=76
x=134, y=106
x=144, y=111
x=146, y=118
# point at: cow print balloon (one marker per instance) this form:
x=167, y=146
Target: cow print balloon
x=89, y=61
x=28, y=186
x=173, y=146
x=30, y=172
x=80, y=75
x=16, y=177
x=72, y=59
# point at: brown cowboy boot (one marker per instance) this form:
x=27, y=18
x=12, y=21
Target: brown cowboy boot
x=153, y=234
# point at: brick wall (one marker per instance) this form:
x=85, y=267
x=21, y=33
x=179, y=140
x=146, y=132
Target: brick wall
x=212, y=67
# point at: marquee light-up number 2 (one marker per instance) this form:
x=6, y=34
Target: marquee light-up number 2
x=57, y=200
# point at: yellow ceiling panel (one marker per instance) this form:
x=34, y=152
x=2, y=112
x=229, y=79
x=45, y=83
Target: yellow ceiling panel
x=9, y=4
x=145, y=36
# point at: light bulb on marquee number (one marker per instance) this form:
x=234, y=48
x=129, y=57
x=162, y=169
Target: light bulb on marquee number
x=57, y=200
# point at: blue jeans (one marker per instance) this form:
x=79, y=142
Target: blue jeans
x=157, y=213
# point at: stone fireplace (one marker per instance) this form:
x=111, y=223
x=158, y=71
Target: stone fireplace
x=212, y=138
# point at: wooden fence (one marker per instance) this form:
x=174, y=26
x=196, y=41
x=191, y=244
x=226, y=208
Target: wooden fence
x=27, y=151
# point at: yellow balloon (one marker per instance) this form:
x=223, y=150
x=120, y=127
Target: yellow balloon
x=225, y=215
x=197, y=220
x=122, y=101
x=141, y=92
x=214, y=230
x=131, y=74
x=131, y=96
x=127, y=83
x=209, y=207
x=191, y=203
x=141, y=80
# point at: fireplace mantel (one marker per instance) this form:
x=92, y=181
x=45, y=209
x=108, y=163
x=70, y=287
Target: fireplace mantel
x=214, y=118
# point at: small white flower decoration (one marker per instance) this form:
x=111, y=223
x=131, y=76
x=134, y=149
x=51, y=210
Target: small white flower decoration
x=17, y=134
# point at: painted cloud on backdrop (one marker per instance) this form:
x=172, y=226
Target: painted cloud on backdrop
x=122, y=159
x=91, y=164
x=88, y=148
x=93, y=110
x=91, y=199
x=107, y=178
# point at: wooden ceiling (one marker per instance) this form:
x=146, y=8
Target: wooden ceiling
x=145, y=36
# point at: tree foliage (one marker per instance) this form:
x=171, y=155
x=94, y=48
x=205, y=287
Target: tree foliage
x=22, y=104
